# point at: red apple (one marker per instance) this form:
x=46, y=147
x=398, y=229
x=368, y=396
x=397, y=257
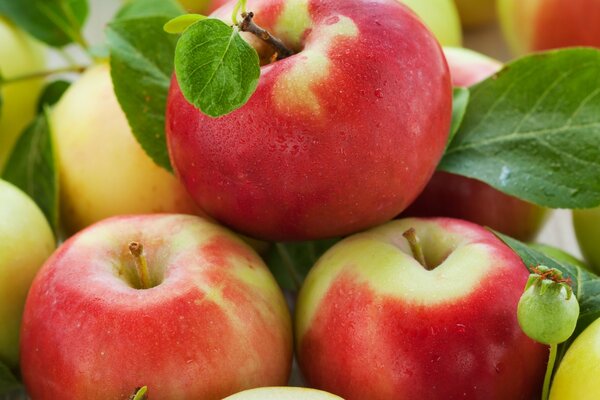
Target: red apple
x=531, y=25
x=374, y=323
x=455, y=196
x=339, y=137
x=212, y=322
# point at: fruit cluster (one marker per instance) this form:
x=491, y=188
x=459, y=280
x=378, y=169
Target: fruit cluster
x=319, y=183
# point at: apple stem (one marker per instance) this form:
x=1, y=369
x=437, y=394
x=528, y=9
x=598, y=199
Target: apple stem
x=248, y=25
x=415, y=246
x=43, y=74
x=549, y=370
x=137, y=251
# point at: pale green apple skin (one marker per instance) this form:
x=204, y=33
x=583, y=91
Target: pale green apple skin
x=441, y=17
x=19, y=55
x=283, y=393
x=214, y=324
x=103, y=170
x=559, y=254
x=26, y=241
x=587, y=229
x=577, y=375
x=372, y=323
x=475, y=13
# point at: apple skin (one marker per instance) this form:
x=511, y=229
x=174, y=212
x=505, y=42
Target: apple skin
x=475, y=13
x=534, y=25
x=204, y=7
x=283, y=393
x=217, y=323
x=372, y=323
x=19, y=55
x=300, y=161
x=26, y=241
x=587, y=229
x=441, y=17
x=467, y=198
x=103, y=170
x=578, y=371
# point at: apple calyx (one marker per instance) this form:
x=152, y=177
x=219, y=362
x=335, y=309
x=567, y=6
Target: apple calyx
x=415, y=247
x=549, y=279
x=248, y=25
x=137, y=251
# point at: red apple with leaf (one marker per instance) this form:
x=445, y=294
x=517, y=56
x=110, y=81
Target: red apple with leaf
x=418, y=309
x=339, y=136
x=456, y=196
x=170, y=302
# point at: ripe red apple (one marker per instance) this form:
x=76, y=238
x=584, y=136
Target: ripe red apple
x=449, y=195
x=374, y=323
x=212, y=322
x=339, y=137
x=532, y=25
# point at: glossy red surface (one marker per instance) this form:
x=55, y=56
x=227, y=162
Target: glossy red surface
x=288, y=173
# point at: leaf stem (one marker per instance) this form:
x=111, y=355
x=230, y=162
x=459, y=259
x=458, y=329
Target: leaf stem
x=549, y=370
x=137, y=251
x=43, y=74
x=415, y=246
x=248, y=25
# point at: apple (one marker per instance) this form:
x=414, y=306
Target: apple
x=467, y=198
x=103, y=170
x=532, y=25
x=441, y=17
x=201, y=6
x=578, y=371
x=587, y=229
x=283, y=393
x=301, y=159
x=20, y=55
x=475, y=13
x=205, y=319
x=378, y=318
x=26, y=241
x=558, y=254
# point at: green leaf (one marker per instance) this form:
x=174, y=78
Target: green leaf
x=52, y=94
x=140, y=394
x=8, y=381
x=135, y=9
x=586, y=285
x=533, y=130
x=32, y=167
x=216, y=69
x=460, y=100
x=141, y=68
x=290, y=262
x=179, y=24
x=55, y=22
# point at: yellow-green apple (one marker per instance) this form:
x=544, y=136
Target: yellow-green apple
x=449, y=195
x=202, y=319
x=577, y=375
x=201, y=6
x=340, y=136
x=532, y=25
x=587, y=229
x=283, y=393
x=418, y=309
x=26, y=241
x=103, y=169
x=20, y=55
x=441, y=17
x=475, y=13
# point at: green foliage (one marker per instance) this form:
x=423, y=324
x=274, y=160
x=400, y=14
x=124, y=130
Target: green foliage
x=216, y=69
x=54, y=22
x=179, y=24
x=533, y=130
x=141, y=60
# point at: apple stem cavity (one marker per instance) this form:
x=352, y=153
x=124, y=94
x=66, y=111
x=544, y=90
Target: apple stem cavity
x=415, y=247
x=137, y=251
x=248, y=25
